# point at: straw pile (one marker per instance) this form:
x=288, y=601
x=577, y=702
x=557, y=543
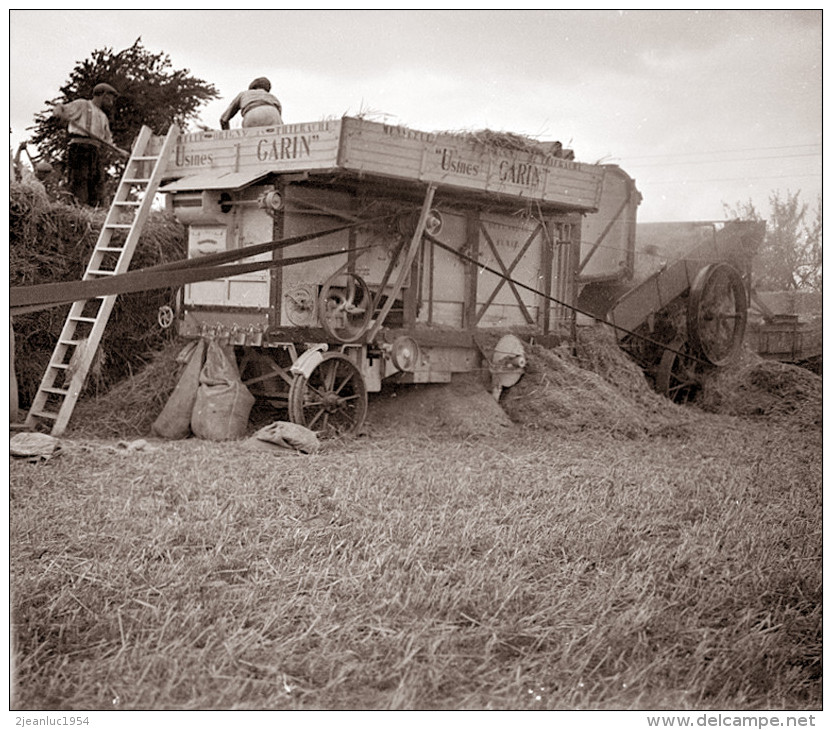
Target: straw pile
x=518, y=143
x=463, y=408
x=596, y=387
x=129, y=408
x=593, y=387
x=767, y=389
x=52, y=241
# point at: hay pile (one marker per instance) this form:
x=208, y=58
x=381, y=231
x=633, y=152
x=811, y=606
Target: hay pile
x=512, y=142
x=595, y=388
x=51, y=241
x=463, y=408
x=129, y=408
x=767, y=389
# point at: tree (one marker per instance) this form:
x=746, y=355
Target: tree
x=791, y=256
x=151, y=92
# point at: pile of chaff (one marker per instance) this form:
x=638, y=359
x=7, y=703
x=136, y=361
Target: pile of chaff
x=767, y=389
x=591, y=386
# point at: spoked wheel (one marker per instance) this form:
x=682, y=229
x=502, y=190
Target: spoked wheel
x=345, y=305
x=717, y=313
x=677, y=376
x=332, y=400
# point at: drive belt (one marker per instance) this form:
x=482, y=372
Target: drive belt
x=170, y=275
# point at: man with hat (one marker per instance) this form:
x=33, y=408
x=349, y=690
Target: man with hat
x=89, y=131
x=258, y=107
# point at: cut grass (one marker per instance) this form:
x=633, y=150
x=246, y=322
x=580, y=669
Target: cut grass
x=534, y=570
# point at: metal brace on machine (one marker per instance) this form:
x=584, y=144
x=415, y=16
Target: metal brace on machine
x=309, y=360
x=507, y=363
x=413, y=249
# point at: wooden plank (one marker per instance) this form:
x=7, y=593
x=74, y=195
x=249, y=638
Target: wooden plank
x=459, y=161
x=288, y=148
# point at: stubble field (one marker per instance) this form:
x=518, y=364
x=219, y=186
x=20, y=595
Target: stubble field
x=607, y=551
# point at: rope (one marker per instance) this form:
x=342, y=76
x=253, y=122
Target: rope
x=482, y=266
x=27, y=299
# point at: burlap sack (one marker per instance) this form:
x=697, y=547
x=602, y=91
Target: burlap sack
x=223, y=403
x=285, y=437
x=174, y=422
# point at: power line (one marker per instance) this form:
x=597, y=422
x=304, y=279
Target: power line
x=720, y=160
x=720, y=152
x=727, y=179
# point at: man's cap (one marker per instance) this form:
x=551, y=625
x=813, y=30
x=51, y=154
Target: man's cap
x=104, y=89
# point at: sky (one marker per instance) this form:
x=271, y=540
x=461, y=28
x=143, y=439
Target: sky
x=702, y=108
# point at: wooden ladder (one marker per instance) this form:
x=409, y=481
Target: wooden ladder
x=85, y=324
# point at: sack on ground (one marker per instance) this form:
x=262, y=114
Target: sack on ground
x=285, y=437
x=174, y=422
x=223, y=403
x=34, y=446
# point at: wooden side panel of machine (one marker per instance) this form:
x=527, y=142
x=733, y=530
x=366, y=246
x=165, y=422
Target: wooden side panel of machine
x=462, y=162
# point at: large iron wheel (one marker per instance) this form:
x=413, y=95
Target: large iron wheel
x=332, y=400
x=717, y=313
x=346, y=307
x=677, y=376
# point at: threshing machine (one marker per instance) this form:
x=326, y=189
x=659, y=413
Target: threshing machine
x=368, y=253
x=400, y=256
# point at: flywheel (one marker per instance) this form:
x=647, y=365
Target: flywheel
x=717, y=313
x=345, y=307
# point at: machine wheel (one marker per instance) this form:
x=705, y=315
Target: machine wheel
x=165, y=316
x=332, y=400
x=677, y=376
x=345, y=306
x=717, y=313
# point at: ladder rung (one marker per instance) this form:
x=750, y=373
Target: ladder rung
x=56, y=391
x=98, y=272
x=59, y=366
x=136, y=180
x=109, y=248
x=127, y=202
x=144, y=158
x=71, y=342
x=118, y=225
x=83, y=319
x=43, y=414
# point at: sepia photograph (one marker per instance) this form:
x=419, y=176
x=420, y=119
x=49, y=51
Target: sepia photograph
x=437, y=362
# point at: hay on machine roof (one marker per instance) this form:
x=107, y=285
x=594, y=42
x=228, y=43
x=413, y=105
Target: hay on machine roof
x=513, y=142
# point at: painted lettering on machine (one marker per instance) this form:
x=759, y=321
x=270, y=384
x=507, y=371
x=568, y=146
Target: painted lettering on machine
x=489, y=169
x=285, y=148
x=492, y=170
x=192, y=159
x=291, y=145
x=519, y=173
x=452, y=162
